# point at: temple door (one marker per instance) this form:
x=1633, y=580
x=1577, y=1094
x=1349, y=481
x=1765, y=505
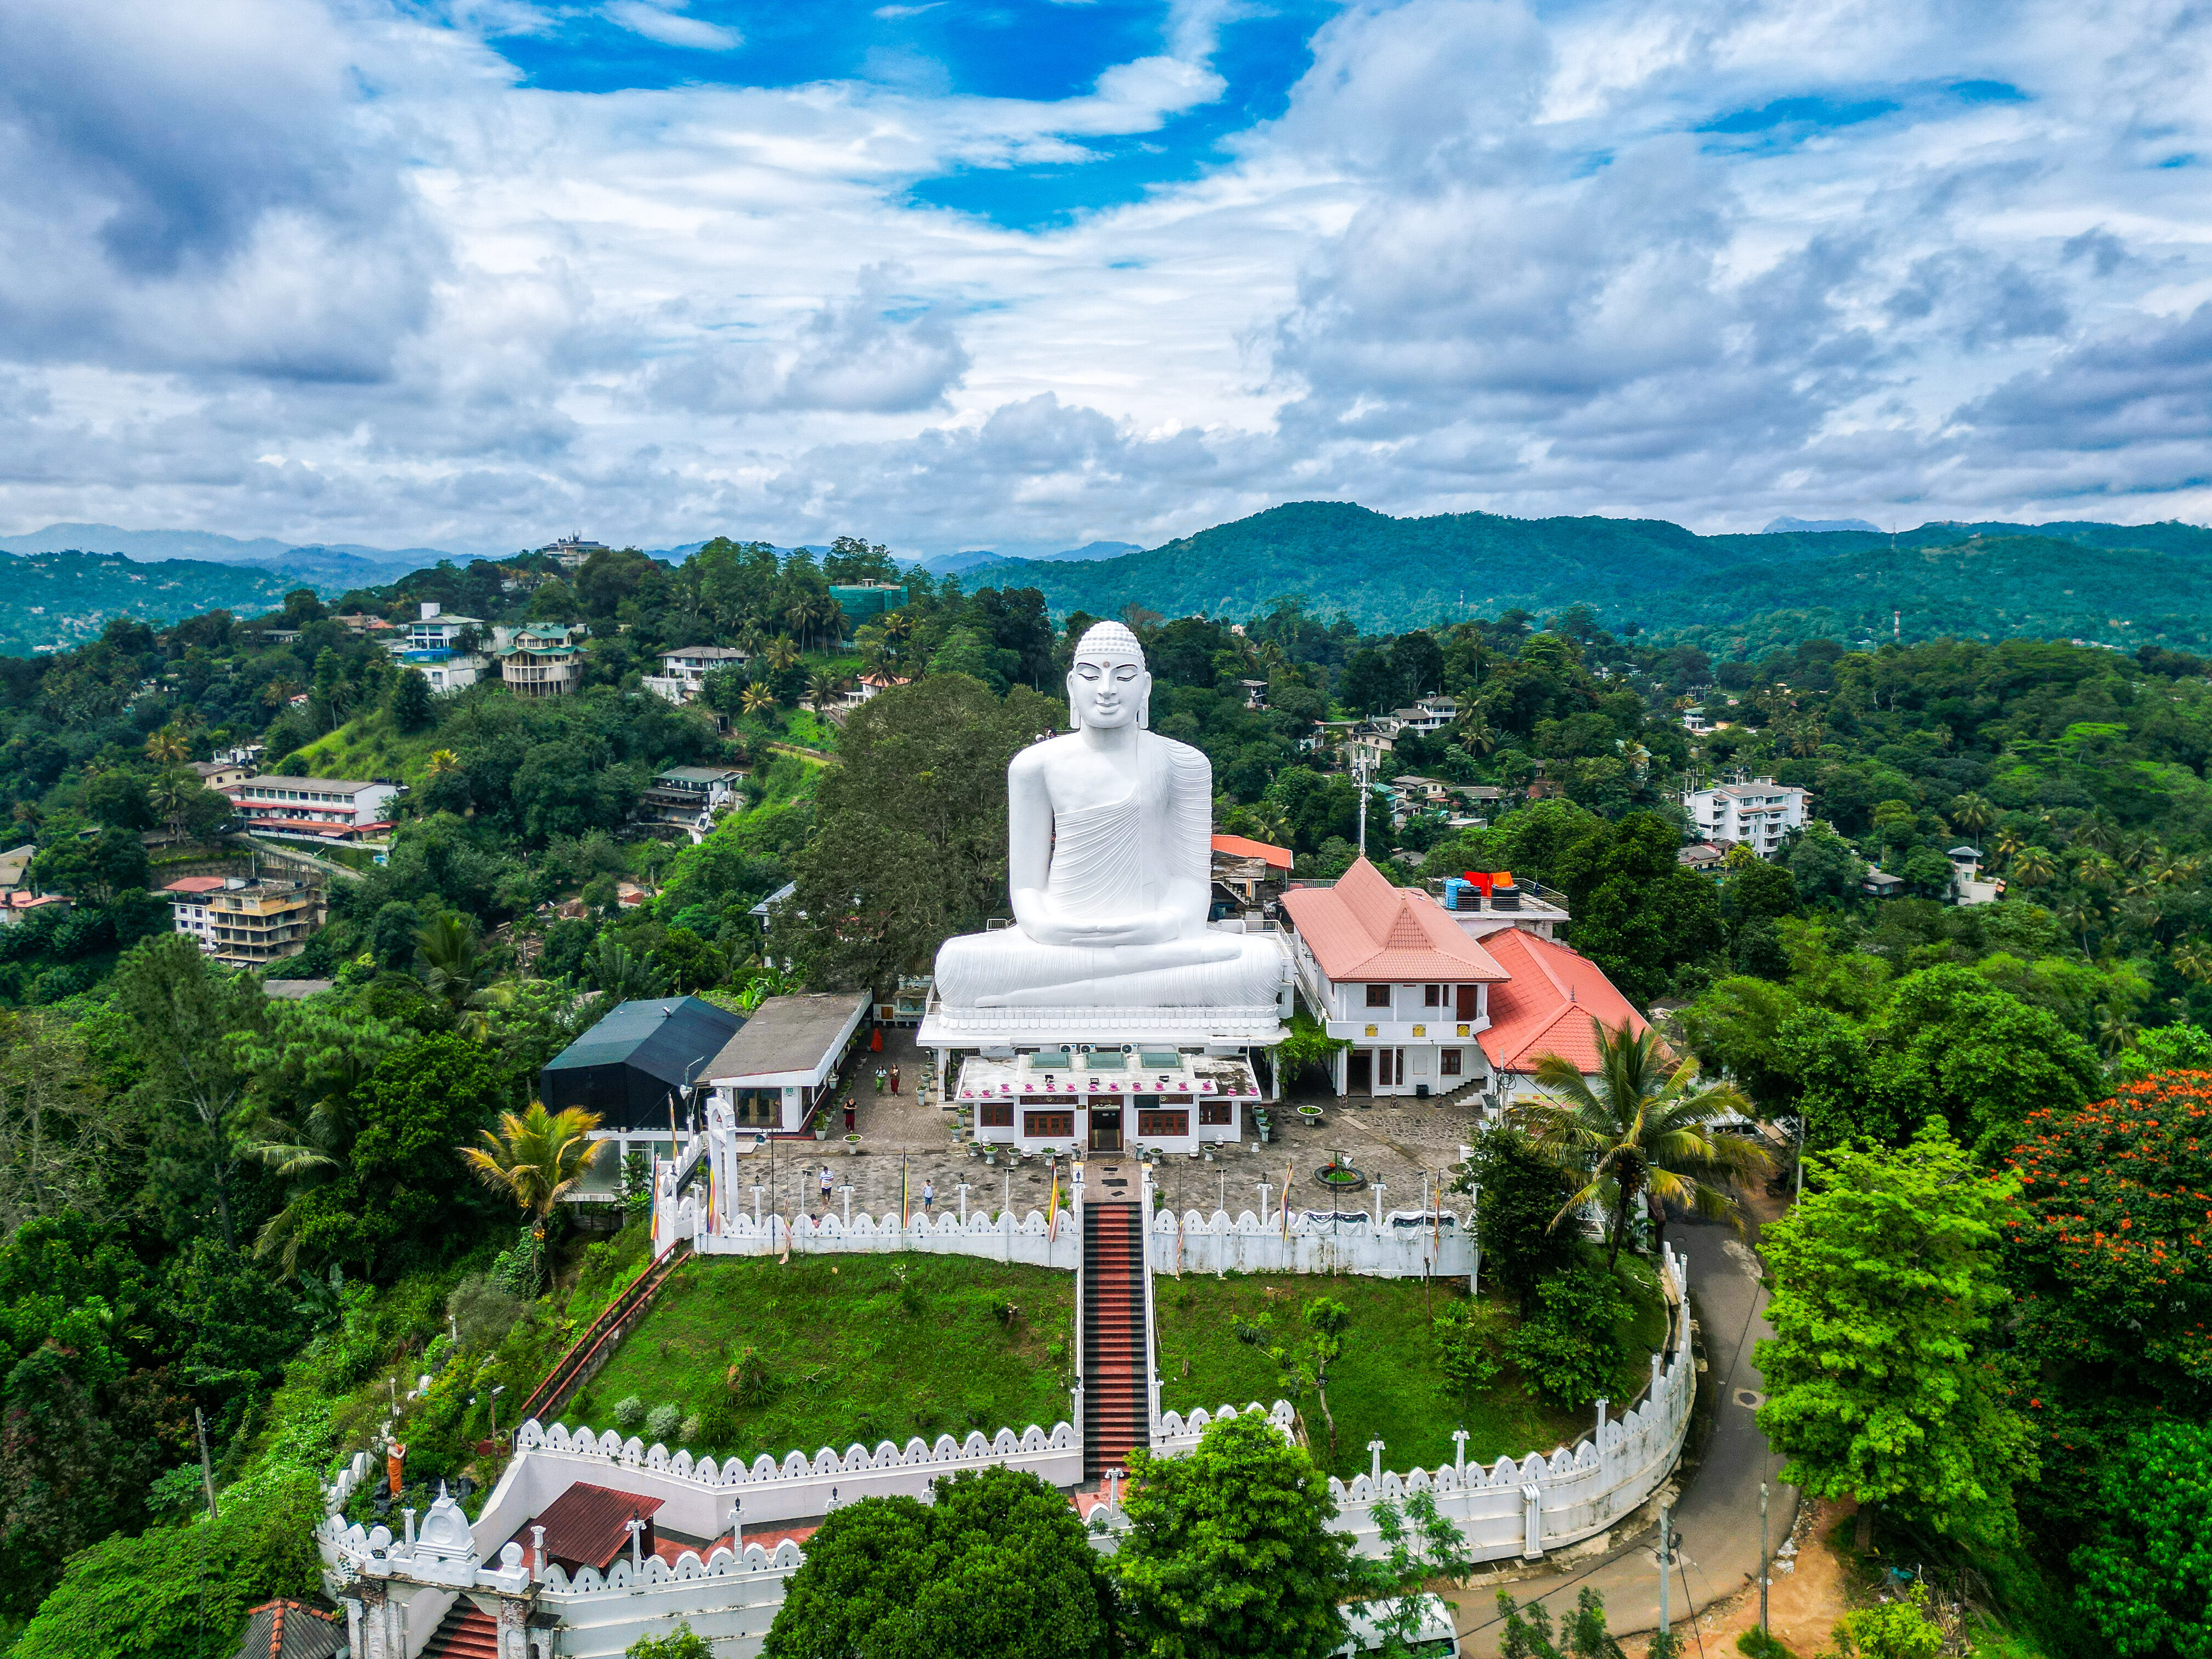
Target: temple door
x=1467, y=994
x=1106, y=1128
x=1360, y=1072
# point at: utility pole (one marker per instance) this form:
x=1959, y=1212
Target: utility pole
x=1664, y=1537
x=1762, y=1555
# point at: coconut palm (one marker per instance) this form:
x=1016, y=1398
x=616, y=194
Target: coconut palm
x=166, y=747
x=1641, y=1130
x=781, y=654
x=453, y=971
x=308, y=1155
x=1972, y=814
x=2097, y=832
x=2009, y=844
x=2115, y=1030
x=821, y=687
x=2033, y=865
x=171, y=797
x=758, y=700
x=536, y=1156
x=2078, y=917
x=443, y=761
x=2193, y=960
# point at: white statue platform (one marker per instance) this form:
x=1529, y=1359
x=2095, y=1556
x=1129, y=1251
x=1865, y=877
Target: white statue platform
x=1109, y=866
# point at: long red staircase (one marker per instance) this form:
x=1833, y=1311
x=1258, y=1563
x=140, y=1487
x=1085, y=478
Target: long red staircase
x=465, y=1632
x=597, y=1344
x=1117, y=1395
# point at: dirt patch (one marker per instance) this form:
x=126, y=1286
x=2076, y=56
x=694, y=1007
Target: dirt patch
x=1802, y=1605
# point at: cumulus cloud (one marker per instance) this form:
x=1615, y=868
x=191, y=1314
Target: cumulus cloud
x=334, y=271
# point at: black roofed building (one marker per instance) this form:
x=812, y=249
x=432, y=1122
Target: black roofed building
x=639, y=1069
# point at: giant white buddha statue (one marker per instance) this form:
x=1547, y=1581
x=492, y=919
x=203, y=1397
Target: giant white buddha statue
x=1108, y=857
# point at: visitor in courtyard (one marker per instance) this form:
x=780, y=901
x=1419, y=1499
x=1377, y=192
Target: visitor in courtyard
x=825, y=1189
x=895, y=1080
x=928, y=1193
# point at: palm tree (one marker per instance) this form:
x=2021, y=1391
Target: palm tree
x=535, y=1157
x=821, y=687
x=1972, y=814
x=2097, y=832
x=2033, y=865
x=166, y=747
x=2009, y=844
x=171, y=796
x=800, y=616
x=1476, y=734
x=758, y=700
x=453, y=970
x=444, y=761
x=2193, y=960
x=307, y=1155
x=621, y=976
x=1641, y=1130
x=2115, y=1030
x=2078, y=916
x=781, y=654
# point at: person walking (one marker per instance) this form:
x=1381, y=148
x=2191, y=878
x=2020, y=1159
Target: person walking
x=895, y=1088
x=928, y=1196
x=825, y=1189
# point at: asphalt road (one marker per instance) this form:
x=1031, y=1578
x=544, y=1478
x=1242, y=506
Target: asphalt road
x=1716, y=1511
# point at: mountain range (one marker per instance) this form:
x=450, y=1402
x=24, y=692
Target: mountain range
x=1733, y=595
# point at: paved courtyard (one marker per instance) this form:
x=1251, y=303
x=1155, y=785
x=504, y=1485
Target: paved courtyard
x=1396, y=1142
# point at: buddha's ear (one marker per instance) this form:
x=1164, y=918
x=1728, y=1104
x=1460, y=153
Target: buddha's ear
x=1074, y=704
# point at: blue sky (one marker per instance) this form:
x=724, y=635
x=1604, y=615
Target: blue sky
x=1025, y=275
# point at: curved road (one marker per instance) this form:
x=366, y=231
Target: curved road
x=1716, y=1511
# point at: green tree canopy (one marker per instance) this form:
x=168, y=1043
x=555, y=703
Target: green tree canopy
x=1231, y=1553
x=1878, y=1386
x=997, y=1566
x=2145, y=1577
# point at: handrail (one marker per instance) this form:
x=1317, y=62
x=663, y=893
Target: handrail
x=568, y=1371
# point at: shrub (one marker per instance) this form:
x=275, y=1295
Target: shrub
x=751, y=1381
x=629, y=1412
x=661, y=1423
x=1568, y=1348
x=1757, y=1644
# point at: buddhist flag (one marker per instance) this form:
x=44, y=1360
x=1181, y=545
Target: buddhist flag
x=1286, y=1200
x=1052, y=1208
x=903, y=1216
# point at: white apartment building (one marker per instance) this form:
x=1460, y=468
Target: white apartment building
x=683, y=673
x=436, y=629
x=1756, y=812
x=314, y=808
x=571, y=552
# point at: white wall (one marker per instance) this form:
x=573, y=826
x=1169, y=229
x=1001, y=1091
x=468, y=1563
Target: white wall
x=1194, y=1242
x=1032, y=1239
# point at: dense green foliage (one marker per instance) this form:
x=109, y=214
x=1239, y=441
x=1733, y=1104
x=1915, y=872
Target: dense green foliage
x=1985, y=580
x=996, y=1565
x=1885, y=1278
x=1229, y=1555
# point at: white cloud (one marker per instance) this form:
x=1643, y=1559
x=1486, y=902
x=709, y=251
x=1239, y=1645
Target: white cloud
x=671, y=29
x=1484, y=258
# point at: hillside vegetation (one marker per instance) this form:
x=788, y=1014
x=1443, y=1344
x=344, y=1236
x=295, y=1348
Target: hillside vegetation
x=1981, y=582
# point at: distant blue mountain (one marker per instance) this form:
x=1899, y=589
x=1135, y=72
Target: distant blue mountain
x=1785, y=527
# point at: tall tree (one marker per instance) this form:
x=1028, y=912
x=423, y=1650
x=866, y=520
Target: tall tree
x=912, y=844
x=178, y=1005
x=1886, y=1281
x=1231, y=1553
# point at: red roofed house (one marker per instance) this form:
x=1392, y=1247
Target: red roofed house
x=1389, y=968
x=1246, y=872
x=1430, y=1008
x=1552, y=1005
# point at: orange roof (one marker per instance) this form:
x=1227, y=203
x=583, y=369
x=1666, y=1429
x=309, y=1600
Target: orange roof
x=1364, y=929
x=1242, y=847
x=21, y=900
x=1549, y=1006
x=194, y=884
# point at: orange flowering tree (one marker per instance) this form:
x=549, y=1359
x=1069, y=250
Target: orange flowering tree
x=2109, y=1248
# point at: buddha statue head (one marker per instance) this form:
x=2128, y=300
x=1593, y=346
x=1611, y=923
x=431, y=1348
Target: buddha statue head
x=1108, y=685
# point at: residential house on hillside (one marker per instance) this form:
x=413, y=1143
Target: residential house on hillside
x=315, y=809
x=219, y=773
x=684, y=673
x=864, y=690
x=1756, y=811
x=686, y=797
x=548, y=672
x=246, y=923
x=1248, y=874
x=570, y=552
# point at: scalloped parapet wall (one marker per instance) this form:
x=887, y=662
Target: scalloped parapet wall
x=1032, y=1238
x=1194, y=1240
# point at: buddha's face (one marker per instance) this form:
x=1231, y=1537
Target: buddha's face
x=1106, y=690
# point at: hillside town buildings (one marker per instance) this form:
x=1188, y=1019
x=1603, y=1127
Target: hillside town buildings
x=315, y=809
x=1757, y=812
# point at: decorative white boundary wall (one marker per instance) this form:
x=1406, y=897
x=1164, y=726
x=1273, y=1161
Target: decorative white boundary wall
x=1031, y=1239
x=1194, y=1242
x=1536, y=1503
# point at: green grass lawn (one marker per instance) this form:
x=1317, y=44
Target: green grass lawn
x=850, y=1353
x=1387, y=1383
